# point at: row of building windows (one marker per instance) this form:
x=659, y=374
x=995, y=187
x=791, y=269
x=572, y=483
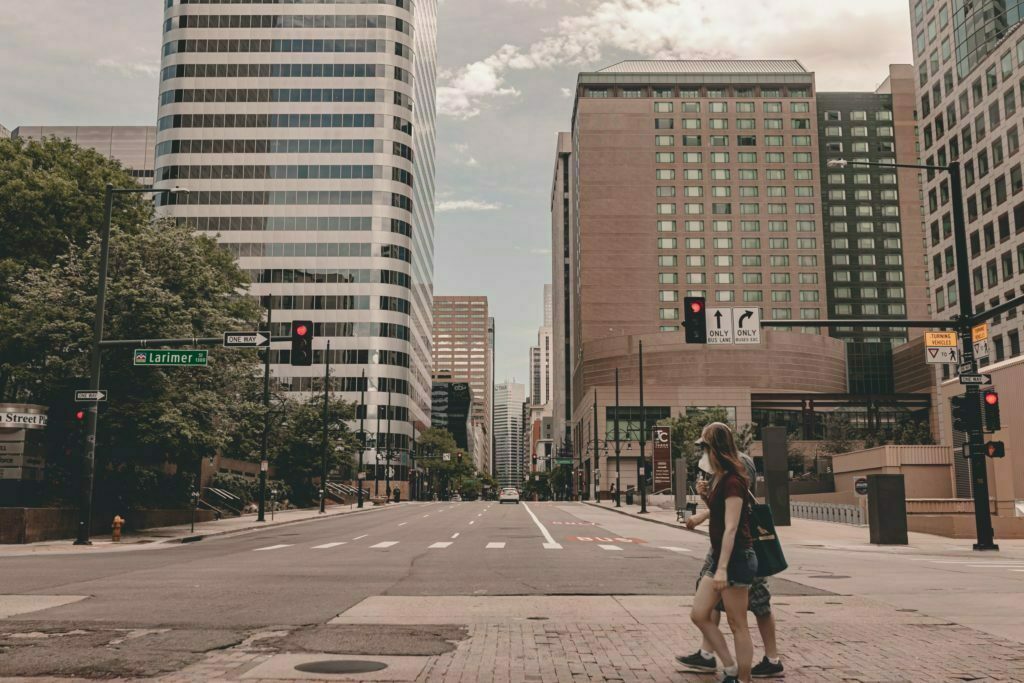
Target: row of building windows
x=294, y=172
x=729, y=296
x=863, y=195
x=727, y=243
x=724, y=124
x=286, y=45
x=742, y=191
x=862, y=178
x=859, y=131
x=347, y=357
x=693, y=93
x=865, y=226
x=281, y=121
x=221, y=21
x=980, y=126
x=748, y=279
x=864, y=211
x=347, y=329
x=834, y=147
x=724, y=157
x=351, y=385
x=751, y=261
x=726, y=225
x=403, y=4
x=222, y=146
x=723, y=140
x=834, y=115
x=329, y=276
x=737, y=107
x=289, y=302
x=281, y=95
x=310, y=249
x=726, y=208
x=284, y=71
x=290, y=223
x=697, y=174
x=286, y=198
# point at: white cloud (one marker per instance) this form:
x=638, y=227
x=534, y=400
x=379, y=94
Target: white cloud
x=464, y=157
x=566, y=92
x=466, y=205
x=849, y=44
x=147, y=69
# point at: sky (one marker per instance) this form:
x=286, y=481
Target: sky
x=506, y=72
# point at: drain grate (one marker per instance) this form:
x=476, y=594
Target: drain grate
x=341, y=666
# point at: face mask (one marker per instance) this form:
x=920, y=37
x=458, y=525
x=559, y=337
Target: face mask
x=705, y=464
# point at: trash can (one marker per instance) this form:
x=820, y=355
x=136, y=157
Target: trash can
x=629, y=497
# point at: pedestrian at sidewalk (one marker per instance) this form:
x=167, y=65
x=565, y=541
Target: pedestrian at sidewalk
x=734, y=564
x=759, y=600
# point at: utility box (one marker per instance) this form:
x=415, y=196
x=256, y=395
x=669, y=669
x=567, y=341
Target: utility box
x=887, y=509
x=776, y=473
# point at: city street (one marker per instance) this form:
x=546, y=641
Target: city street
x=481, y=591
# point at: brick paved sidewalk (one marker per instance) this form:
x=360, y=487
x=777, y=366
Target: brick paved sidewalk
x=822, y=639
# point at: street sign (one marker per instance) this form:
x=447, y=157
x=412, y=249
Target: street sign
x=720, y=325
x=747, y=329
x=979, y=333
x=87, y=396
x=964, y=368
x=942, y=354
x=940, y=339
x=241, y=340
x=975, y=379
x=446, y=457
x=981, y=348
x=860, y=485
x=154, y=357
x=361, y=476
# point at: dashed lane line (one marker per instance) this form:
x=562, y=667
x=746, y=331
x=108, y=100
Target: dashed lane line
x=472, y=521
x=550, y=543
x=441, y=544
x=385, y=544
x=402, y=523
x=674, y=549
x=609, y=547
x=495, y=546
x=325, y=546
x=358, y=537
x=273, y=547
x=455, y=535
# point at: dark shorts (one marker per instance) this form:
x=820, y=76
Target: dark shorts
x=759, y=598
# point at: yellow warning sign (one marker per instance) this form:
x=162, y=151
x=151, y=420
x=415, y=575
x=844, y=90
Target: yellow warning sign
x=979, y=333
x=940, y=339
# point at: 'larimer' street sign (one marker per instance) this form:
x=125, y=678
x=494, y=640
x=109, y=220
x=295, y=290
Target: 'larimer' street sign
x=170, y=357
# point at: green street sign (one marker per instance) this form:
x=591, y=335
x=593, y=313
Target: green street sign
x=170, y=357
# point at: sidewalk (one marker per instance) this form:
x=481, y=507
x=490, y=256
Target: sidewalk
x=832, y=536
x=183, y=533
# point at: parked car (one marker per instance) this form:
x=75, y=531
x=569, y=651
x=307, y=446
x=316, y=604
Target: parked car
x=509, y=496
x=456, y=498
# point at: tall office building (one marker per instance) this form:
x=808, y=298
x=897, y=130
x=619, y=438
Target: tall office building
x=509, y=400
x=873, y=230
x=462, y=353
x=541, y=357
x=4, y=133
x=969, y=58
x=305, y=132
x=133, y=146
x=562, y=221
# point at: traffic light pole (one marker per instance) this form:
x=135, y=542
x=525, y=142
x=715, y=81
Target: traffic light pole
x=362, y=439
x=323, y=456
x=642, y=465
x=387, y=457
x=597, y=455
x=618, y=472
x=265, y=446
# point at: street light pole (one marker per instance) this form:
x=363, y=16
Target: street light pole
x=264, y=464
x=597, y=455
x=387, y=456
x=323, y=456
x=642, y=469
x=618, y=472
x=362, y=438
x=89, y=455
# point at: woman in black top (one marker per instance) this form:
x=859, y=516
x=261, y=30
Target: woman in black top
x=735, y=564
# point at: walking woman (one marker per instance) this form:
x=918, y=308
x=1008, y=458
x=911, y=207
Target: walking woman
x=734, y=563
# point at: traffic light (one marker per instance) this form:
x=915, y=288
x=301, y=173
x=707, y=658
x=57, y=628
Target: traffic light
x=695, y=320
x=995, y=449
x=990, y=402
x=460, y=458
x=302, y=342
x=80, y=417
x=964, y=413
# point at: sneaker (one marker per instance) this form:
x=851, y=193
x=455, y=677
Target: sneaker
x=729, y=679
x=765, y=669
x=697, y=662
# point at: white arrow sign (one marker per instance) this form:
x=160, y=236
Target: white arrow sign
x=245, y=340
x=720, y=326
x=87, y=396
x=747, y=329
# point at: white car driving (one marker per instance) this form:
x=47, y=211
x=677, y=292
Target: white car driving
x=509, y=496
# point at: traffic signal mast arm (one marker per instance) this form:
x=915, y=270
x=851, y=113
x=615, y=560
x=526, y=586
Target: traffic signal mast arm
x=183, y=341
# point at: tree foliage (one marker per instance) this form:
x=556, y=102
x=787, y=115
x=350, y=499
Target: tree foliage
x=839, y=434
x=687, y=428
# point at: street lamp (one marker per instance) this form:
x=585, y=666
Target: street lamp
x=89, y=457
x=965, y=321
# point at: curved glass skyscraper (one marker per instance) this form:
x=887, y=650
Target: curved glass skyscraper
x=305, y=132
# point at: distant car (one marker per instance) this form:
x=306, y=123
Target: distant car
x=456, y=498
x=509, y=496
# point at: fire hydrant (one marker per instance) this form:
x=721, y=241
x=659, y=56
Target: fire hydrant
x=115, y=534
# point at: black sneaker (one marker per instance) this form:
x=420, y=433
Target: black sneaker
x=698, y=662
x=765, y=669
x=729, y=679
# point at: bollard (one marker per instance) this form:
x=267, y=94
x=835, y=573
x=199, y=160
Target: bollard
x=115, y=533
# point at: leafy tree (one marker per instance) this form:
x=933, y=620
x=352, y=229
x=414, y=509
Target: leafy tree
x=431, y=445
x=687, y=428
x=839, y=434
x=299, y=447
x=539, y=483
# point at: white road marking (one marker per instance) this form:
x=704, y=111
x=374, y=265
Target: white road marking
x=273, y=547
x=442, y=544
x=609, y=547
x=325, y=546
x=385, y=544
x=495, y=546
x=358, y=537
x=426, y=515
x=472, y=521
x=674, y=549
x=550, y=543
x=455, y=535
x=402, y=523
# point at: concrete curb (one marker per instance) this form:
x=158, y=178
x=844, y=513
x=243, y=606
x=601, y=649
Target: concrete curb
x=646, y=519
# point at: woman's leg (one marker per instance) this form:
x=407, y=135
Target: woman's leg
x=735, y=599
x=703, y=604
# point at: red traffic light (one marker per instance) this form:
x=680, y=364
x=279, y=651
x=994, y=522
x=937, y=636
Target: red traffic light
x=301, y=330
x=696, y=306
x=80, y=415
x=992, y=398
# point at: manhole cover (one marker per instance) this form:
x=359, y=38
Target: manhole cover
x=341, y=666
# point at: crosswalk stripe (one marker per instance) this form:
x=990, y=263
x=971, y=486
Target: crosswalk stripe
x=385, y=544
x=325, y=546
x=273, y=547
x=609, y=547
x=674, y=549
x=358, y=537
x=455, y=535
x=441, y=544
x=495, y=546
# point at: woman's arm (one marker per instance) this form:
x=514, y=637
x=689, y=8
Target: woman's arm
x=698, y=519
x=733, y=510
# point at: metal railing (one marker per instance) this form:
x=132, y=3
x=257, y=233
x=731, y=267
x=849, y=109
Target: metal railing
x=829, y=512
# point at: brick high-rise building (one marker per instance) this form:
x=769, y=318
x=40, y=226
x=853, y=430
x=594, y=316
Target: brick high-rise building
x=462, y=353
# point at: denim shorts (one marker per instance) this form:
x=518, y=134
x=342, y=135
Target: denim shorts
x=741, y=570
x=759, y=598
